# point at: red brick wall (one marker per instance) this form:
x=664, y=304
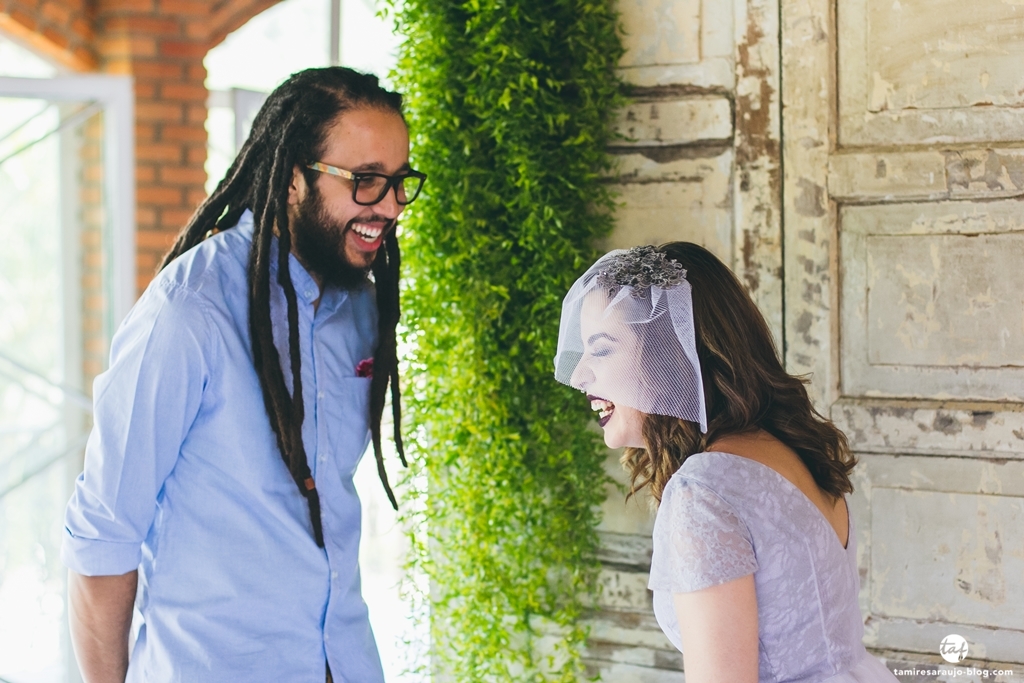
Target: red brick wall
x=60, y=29
x=161, y=43
x=157, y=46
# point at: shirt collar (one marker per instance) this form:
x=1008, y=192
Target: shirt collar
x=306, y=288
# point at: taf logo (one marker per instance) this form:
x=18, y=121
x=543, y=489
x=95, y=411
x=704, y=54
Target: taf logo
x=953, y=648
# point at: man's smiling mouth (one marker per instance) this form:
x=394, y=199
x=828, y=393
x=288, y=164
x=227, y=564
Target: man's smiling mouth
x=369, y=232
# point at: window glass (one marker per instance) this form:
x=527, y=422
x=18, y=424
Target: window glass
x=38, y=429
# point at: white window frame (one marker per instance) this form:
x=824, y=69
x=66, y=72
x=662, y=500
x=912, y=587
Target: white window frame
x=114, y=94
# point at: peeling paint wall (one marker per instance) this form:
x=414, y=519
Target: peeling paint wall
x=904, y=300
x=859, y=165
x=939, y=510
x=699, y=160
x=699, y=154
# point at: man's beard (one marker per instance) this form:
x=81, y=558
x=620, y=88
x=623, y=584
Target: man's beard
x=320, y=244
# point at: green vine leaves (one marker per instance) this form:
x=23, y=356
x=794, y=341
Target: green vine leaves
x=510, y=106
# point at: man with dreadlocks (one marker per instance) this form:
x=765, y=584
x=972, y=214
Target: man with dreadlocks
x=244, y=386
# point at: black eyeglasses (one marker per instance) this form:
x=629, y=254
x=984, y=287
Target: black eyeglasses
x=370, y=188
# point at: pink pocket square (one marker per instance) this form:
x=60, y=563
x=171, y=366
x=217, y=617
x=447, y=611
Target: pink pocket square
x=364, y=368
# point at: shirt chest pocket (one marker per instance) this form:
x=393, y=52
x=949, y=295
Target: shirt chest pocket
x=345, y=420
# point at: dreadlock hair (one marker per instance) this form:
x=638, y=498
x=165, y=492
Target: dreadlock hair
x=290, y=130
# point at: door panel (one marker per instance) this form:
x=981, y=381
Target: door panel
x=932, y=302
x=987, y=431
x=984, y=568
x=919, y=71
x=904, y=236
x=979, y=173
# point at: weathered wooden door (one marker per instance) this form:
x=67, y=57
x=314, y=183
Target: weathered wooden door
x=903, y=223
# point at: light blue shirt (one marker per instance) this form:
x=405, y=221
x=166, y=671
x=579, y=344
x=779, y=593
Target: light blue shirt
x=184, y=481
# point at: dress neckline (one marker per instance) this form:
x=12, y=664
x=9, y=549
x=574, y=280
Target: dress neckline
x=795, y=489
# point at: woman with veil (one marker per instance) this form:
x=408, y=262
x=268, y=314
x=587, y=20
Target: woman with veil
x=754, y=570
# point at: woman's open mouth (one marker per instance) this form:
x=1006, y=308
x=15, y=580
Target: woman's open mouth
x=603, y=407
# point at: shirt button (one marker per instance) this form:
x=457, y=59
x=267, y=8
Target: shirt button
x=323, y=458
x=319, y=394
x=334, y=575
x=309, y=293
x=326, y=637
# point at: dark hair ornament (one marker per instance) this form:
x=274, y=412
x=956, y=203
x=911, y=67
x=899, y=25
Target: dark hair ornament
x=641, y=268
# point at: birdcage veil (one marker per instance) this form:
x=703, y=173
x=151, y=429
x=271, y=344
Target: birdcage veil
x=627, y=332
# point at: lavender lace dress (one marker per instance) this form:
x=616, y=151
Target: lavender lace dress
x=722, y=517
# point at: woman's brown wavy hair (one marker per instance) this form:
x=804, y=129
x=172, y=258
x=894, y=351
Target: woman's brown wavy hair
x=745, y=388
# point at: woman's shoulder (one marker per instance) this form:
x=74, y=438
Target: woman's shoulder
x=704, y=489
x=724, y=473
x=748, y=487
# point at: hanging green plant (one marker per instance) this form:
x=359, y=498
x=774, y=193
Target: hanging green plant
x=510, y=106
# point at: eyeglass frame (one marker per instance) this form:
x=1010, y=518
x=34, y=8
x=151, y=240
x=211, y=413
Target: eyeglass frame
x=391, y=181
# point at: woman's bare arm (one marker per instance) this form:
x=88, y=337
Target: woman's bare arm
x=100, y=617
x=718, y=626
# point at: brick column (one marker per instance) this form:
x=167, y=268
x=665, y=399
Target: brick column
x=161, y=45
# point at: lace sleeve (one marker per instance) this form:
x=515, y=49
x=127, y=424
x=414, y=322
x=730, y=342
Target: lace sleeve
x=699, y=540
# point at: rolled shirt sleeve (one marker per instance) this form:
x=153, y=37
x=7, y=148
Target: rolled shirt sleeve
x=144, y=405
